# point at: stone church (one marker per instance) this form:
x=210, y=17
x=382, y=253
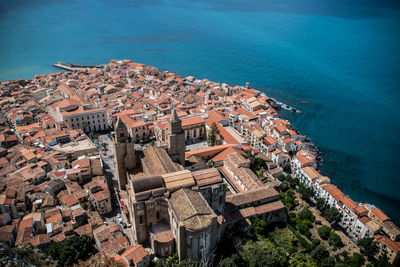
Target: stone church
x=172, y=209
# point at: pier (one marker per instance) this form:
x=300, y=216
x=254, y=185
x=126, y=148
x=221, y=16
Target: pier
x=75, y=67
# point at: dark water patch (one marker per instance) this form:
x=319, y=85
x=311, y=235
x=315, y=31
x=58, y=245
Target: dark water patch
x=288, y=96
x=389, y=205
x=357, y=9
x=15, y=5
x=132, y=4
x=339, y=164
x=341, y=168
x=151, y=38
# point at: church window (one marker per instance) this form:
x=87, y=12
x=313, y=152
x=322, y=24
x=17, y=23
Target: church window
x=141, y=219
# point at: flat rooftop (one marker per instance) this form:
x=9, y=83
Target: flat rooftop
x=75, y=146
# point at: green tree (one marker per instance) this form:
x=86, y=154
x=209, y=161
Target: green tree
x=302, y=260
x=257, y=163
x=304, y=229
x=213, y=135
x=269, y=257
x=335, y=240
x=382, y=261
x=324, y=232
x=282, y=177
x=306, y=192
x=321, y=204
x=258, y=227
x=319, y=253
x=332, y=215
x=71, y=250
x=315, y=242
x=210, y=163
x=289, y=199
x=368, y=247
x=187, y=263
x=284, y=186
x=327, y=262
x=306, y=213
x=229, y=262
x=293, y=182
x=346, y=257
x=357, y=260
x=172, y=260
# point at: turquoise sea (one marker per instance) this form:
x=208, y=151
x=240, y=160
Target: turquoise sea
x=335, y=60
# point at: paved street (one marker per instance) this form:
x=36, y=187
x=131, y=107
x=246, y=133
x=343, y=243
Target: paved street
x=109, y=169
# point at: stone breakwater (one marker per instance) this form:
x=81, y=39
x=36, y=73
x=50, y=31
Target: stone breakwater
x=75, y=67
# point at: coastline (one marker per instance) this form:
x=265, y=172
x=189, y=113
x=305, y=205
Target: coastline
x=251, y=119
x=67, y=67
x=72, y=67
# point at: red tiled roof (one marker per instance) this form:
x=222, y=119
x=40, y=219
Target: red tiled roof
x=379, y=214
x=135, y=253
x=208, y=151
x=214, y=117
x=192, y=121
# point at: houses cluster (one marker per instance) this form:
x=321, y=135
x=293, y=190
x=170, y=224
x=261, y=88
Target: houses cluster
x=46, y=197
x=51, y=164
x=359, y=220
x=52, y=183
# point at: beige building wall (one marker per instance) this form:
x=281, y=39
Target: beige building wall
x=91, y=121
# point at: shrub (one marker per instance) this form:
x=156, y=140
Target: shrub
x=259, y=227
x=324, y=232
x=71, y=250
x=303, y=242
x=289, y=199
x=357, y=260
x=319, y=253
x=304, y=229
x=306, y=213
x=332, y=215
x=335, y=240
x=306, y=192
x=315, y=242
x=368, y=247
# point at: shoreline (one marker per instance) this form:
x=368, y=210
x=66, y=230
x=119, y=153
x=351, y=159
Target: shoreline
x=309, y=146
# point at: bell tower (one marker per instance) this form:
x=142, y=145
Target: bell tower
x=176, y=139
x=124, y=153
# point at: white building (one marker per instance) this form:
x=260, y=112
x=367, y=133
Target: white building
x=79, y=116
